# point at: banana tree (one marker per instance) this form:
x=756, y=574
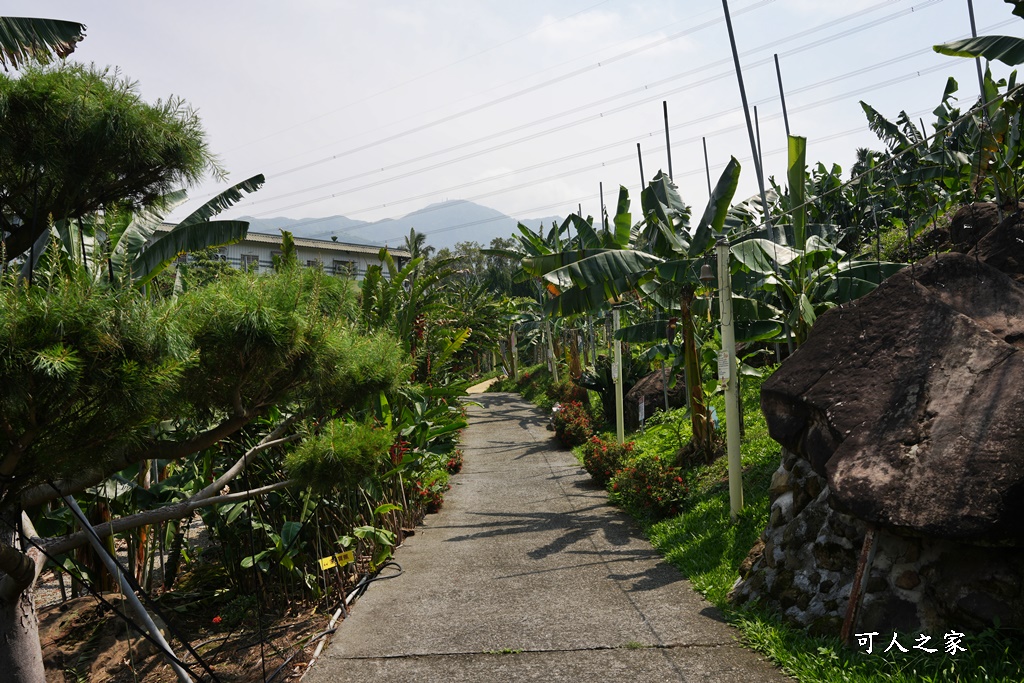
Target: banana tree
x=532, y=243
x=127, y=252
x=658, y=260
x=803, y=267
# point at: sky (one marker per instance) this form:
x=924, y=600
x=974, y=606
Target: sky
x=377, y=109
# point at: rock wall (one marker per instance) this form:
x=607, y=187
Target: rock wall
x=805, y=563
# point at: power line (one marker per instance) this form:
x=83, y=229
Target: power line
x=708, y=79
x=419, y=77
x=523, y=91
x=617, y=143
x=663, y=81
x=629, y=157
x=499, y=87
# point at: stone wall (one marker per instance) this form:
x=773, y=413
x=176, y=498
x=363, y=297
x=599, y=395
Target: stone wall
x=805, y=562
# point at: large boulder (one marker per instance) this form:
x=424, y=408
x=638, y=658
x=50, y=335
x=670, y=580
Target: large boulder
x=908, y=403
x=1003, y=247
x=970, y=223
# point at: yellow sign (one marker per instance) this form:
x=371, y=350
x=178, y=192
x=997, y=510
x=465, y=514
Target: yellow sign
x=339, y=560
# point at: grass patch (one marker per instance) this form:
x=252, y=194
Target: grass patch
x=708, y=548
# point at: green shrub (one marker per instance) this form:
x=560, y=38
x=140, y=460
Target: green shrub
x=339, y=456
x=601, y=459
x=565, y=390
x=572, y=424
x=650, y=488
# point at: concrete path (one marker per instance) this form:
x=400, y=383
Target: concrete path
x=528, y=574
x=483, y=386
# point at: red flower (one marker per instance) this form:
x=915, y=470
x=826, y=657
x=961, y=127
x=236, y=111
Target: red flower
x=217, y=619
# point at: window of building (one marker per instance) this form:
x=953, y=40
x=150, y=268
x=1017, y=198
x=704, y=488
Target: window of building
x=250, y=262
x=314, y=263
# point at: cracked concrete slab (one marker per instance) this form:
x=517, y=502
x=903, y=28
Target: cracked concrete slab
x=528, y=559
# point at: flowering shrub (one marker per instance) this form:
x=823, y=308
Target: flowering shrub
x=602, y=459
x=565, y=390
x=454, y=465
x=429, y=490
x=649, y=487
x=398, y=450
x=572, y=423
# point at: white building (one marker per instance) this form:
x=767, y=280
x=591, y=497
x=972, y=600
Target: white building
x=258, y=250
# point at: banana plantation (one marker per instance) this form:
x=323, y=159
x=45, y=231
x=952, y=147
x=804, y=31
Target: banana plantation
x=233, y=446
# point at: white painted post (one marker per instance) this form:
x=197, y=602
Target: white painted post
x=620, y=427
x=729, y=367
x=515, y=356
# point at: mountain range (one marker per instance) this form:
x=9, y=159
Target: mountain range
x=445, y=224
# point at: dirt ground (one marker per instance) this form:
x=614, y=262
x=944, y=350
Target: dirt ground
x=84, y=640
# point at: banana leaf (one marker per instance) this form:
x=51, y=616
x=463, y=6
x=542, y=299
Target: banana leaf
x=225, y=200
x=623, y=220
x=763, y=256
x=193, y=237
x=1007, y=49
x=798, y=188
x=605, y=267
x=24, y=39
x=650, y=331
x=547, y=263
x=713, y=220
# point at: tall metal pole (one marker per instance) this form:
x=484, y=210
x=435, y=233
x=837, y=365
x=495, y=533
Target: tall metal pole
x=750, y=127
x=984, y=105
x=757, y=135
x=728, y=368
x=640, y=158
x=707, y=166
x=126, y=590
x=668, y=143
x=977, y=60
x=782, y=94
x=620, y=429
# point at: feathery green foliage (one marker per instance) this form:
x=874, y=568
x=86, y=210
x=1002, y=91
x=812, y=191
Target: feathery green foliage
x=84, y=371
x=76, y=139
x=338, y=457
